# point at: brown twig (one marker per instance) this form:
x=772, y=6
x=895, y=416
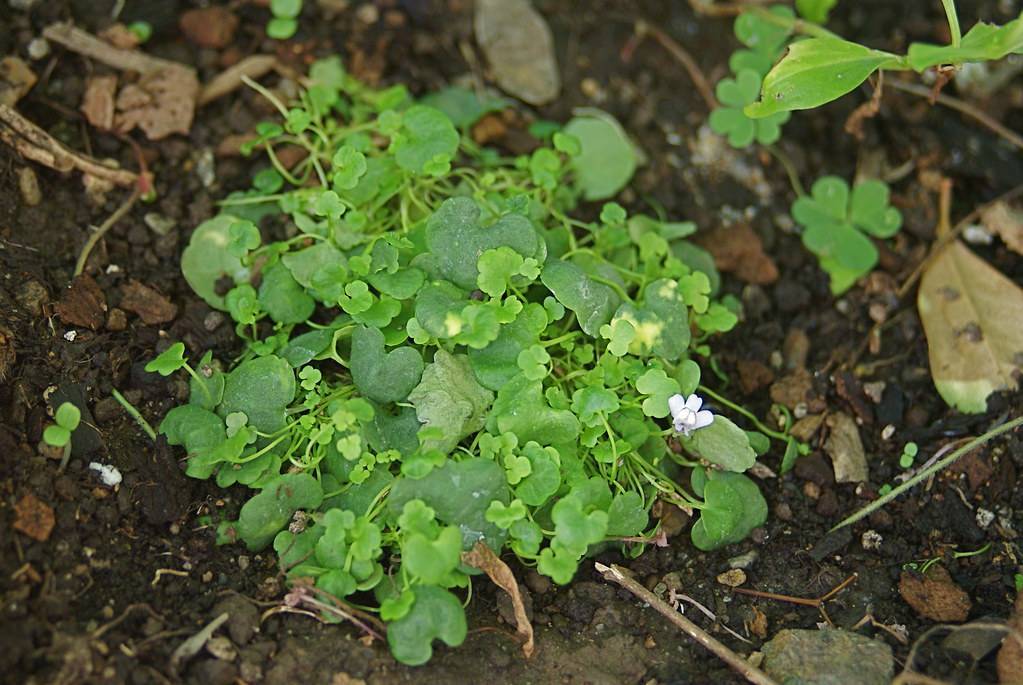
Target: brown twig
x=33, y=143
x=616, y=574
x=961, y=106
x=253, y=66
x=817, y=602
x=684, y=58
x=88, y=45
x=98, y=234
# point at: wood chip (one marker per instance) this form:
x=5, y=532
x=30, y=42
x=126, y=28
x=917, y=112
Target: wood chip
x=16, y=79
x=83, y=304
x=34, y=518
x=934, y=595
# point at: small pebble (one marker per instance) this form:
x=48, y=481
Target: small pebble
x=887, y=432
x=743, y=561
x=243, y=562
x=368, y=13
x=28, y=184
x=733, y=577
x=212, y=321
x=117, y=320
x=205, y=167
x=160, y=224
x=38, y=48
x=874, y=390
x=984, y=517
x=871, y=540
x=71, y=335
x=977, y=235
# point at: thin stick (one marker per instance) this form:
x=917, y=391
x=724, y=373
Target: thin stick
x=98, y=234
x=88, y=45
x=927, y=473
x=616, y=574
x=816, y=602
x=684, y=58
x=35, y=144
x=960, y=106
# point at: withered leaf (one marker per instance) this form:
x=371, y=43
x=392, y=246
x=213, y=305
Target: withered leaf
x=484, y=559
x=1007, y=223
x=973, y=318
x=161, y=103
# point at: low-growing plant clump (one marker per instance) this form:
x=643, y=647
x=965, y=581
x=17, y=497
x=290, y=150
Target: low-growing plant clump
x=438, y=353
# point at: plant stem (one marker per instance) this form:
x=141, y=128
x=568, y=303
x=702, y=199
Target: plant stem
x=953, y=21
x=930, y=471
x=749, y=415
x=134, y=413
x=98, y=234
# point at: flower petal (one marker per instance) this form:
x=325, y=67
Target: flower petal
x=676, y=403
x=694, y=402
x=704, y=418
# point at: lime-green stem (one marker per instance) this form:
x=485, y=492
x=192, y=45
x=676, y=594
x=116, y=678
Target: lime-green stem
x=953, y=21
x=749, y=415
x=930, y=471
x=134, y=413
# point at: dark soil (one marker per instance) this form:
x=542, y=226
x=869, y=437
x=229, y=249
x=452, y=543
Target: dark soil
x=126, y=575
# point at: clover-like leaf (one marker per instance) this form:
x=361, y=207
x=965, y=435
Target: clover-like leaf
x=607, y=158
x=503, y=516
x=533, y=362
x=383, y=376
x=435, y=614
x=559, y=566
x=207, y=259
x=262, y=389
x=432, y=560
x=168, y=361
x=544, y=477
x=521, y=408
x=497, y=363
x=658, y=387
x=660, y=322
x=731, y=120
x=576, y=526
x=594, y=404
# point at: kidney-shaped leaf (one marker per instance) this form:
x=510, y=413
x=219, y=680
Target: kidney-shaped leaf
x=435, y=614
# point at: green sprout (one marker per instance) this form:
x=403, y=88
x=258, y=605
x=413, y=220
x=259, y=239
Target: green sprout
x=285, y=18
x=909, y=452
x=66, y=418
x=838, y=226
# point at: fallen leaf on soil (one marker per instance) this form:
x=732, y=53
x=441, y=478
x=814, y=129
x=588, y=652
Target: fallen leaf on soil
x=738, y=250
x=672, y=519
x=1007, y=223
x=152, y=307
x=484, y=559
x=1010, y=656
x=161, y=103
x=971, y=315
x=34, y=518
x=16, y=79
x=935, y=595
x=757, y=624
x=845, y=449
x=98, y=101
x=83, y=304
x=210, y=27
x=520, y=49
x=120, y=36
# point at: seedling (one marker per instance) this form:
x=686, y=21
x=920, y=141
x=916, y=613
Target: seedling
x=285, y=18
x=442, y=354
x=909, y=452
x=838, y=225
x=67, y=417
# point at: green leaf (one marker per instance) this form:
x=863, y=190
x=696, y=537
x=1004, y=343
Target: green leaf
x=68, y=416
x=660, y=322
x=559, y=566
x=626, y=516
x=460, y=493
x=168, y=361
x=522, y=409
x=57, y=436
x=426, y=135
x=281, y=28
x=206, y=391
x=456, y=239
x=544, y=477
x=533, y=361
x=303, y=348
x=607, y=159
x=449, y=398
x=869, y=209
x=286, y=8
x=761, y=34
x=283, y=298
x=383, y=376
x=306, y=263
x=734, y=507
x=722, y=443
x=504, y=516
x=502, y=267
x=593, y=302
x=435, y=614
x=816, y=71
x=576, y=526
x=464, y=106
x=497, y=363
x=816, y=11
x=594, y=404
x=656, y=384
x=432, y=561
x=261, y=389
x=982, y=43
x=199, y=431
x=263, y=516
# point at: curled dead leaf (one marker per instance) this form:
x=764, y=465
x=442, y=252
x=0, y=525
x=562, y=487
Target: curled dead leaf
x=161, y=103
x=484, y=559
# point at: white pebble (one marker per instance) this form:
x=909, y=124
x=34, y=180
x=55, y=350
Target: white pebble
x=984, y=517
x=108, y=475
x=38, y=48
x=871, y=540
x=71, y=335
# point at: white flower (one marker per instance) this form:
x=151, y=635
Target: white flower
x=687, y=415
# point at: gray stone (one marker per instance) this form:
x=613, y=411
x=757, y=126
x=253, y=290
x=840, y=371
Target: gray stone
x=827, y=657
x=520, y=49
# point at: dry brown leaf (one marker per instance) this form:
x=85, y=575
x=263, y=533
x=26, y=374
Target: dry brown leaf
x=1007, y=223
x=1010, y=656
x=34, y=518
x=973, y=319
x=152, y=307
x=484, y=559
x=935, y=595
x=161, y=103
x=98, y=101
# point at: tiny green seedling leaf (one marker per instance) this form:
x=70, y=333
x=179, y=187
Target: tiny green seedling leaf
x=168, y=361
